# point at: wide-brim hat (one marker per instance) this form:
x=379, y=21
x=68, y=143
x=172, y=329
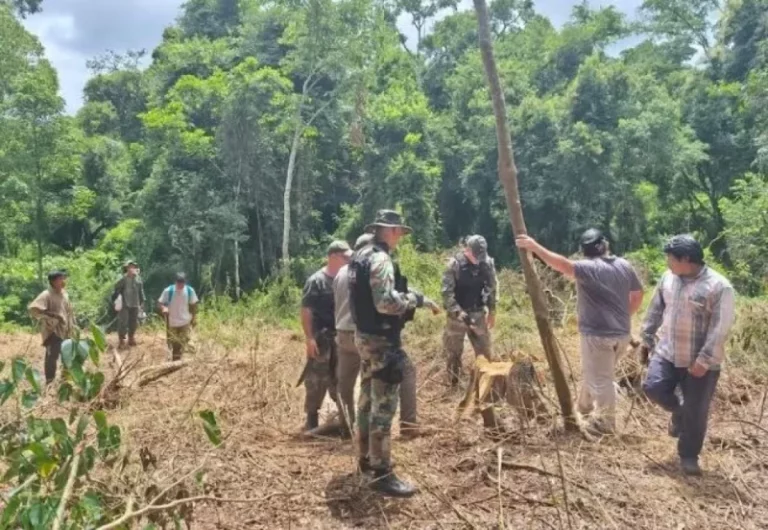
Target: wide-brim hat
x=388, y=219
x=128, y=264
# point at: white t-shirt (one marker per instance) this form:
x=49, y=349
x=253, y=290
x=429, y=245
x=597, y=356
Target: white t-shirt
x=178, y=310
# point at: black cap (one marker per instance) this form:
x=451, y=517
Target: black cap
x=55, y=275
x=685, y=246
x=591, y=237
x=181, y=277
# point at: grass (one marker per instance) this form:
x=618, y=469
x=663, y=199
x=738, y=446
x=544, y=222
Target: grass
x=250, y=354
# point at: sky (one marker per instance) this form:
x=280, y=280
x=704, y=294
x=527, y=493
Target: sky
x=74, y=31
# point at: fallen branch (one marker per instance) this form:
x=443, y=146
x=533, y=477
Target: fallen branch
x=67, y=490
x=161, y=507
x=153, y=373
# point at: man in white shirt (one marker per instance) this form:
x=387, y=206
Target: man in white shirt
x=178, y=305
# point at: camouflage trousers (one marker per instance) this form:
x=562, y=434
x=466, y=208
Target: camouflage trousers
x=347, y=370
x=179, y=341
x=378, y=401
x=453, y=342
x=320, y=377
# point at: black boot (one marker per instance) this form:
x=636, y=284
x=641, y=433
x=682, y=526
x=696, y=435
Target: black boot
x=312, y=421
x=386, y=483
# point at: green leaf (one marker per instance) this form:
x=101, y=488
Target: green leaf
x=115, y=437
x=35, y=515
x=89, y=456
x=60, y=427
x=65, y=393
x=6, y=390
x=29, y=398
x=99, y=339
x=35, y=378
x=81, y=426
x=68, y=353
x=9, y=512
x=210, y=426
x=101, y=419
x=91, y=504
x=18, y=368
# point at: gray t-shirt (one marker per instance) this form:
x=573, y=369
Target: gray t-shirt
x=344, y=321
x=603, y=286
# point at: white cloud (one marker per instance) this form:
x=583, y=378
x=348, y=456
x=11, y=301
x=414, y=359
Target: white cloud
x=74, y=31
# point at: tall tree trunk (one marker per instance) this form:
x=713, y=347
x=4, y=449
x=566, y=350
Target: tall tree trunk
x=39, y=235
x=288, y=183
x=508, y=178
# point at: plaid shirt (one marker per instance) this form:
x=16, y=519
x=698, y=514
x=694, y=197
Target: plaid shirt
x=693, y=317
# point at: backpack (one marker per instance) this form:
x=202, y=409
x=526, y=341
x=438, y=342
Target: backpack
x=172, y=289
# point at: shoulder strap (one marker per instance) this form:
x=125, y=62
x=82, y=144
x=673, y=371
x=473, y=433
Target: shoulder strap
x=171, y=290
x=189, y=292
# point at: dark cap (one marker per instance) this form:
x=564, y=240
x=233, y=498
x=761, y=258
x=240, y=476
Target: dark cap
x=388, y=219
x=339, y=247
x=181, y=277
x=55, y=275
x=479, y=247
x=128, y=264
x=685, y=246
x=363, y=240
x=591, y=237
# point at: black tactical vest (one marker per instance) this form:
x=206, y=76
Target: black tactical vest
x=367, y=318
x=472, y=284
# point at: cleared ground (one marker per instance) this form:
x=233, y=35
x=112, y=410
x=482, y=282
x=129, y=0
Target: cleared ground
x=540, y=477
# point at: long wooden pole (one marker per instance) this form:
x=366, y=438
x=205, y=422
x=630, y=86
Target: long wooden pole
x=508, y=178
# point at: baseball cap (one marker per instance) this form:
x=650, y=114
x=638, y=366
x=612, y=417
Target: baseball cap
x=181, y=277
x=55, y=275
x=339, y=247
x=363, y=240
x=479, y=247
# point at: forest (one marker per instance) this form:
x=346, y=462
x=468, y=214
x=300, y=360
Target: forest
x=259, y=130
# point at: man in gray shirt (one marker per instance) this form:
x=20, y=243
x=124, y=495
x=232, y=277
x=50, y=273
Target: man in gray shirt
x=608, y=294
x=131, y=289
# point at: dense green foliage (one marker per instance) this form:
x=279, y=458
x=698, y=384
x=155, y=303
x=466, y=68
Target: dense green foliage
x=184, y=164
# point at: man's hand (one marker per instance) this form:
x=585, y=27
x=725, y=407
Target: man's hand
x=491, y=319
x=698, y=370
x=432, y=306
x=311, y=349
x=526, y=243
x=165, y=310
x=463, y=317
x=645, y=354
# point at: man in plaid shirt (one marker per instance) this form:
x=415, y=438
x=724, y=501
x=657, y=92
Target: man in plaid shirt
x=692, y=310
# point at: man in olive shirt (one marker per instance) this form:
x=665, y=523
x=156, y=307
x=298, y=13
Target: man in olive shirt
x=54, y=313
x=131, y=288
x=318, y=323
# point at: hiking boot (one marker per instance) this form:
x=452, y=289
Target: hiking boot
x=312, y=421
x=364, y=466
x=121, y=345
x=132, y=341
x=690, y=467
x=410, y=430
x=675, y=426
x=386, y=483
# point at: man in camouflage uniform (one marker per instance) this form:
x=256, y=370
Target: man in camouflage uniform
x=131, y=288
x=469, y=299
x=53, y=311
x=348, y=363
x=381, y=303
x=317, y=320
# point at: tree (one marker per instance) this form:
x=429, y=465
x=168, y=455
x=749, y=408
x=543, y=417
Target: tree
x=508, y=178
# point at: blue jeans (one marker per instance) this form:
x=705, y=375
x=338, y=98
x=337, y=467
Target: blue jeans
x=693, y=413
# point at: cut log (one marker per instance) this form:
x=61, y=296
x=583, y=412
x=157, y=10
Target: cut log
x=152, y=373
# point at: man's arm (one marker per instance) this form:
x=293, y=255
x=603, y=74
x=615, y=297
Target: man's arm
x=307, y=299
x=193, y=301
x=448, y=289
x=118, y=288
x=723, y=309
x=560, y=263
x=654, y=316
x=142, y=298
x=385, y=298
x=635, y=301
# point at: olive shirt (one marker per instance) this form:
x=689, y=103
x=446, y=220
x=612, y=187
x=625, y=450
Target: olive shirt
x=54, y=312
x=318, y=298
x=132, y=289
